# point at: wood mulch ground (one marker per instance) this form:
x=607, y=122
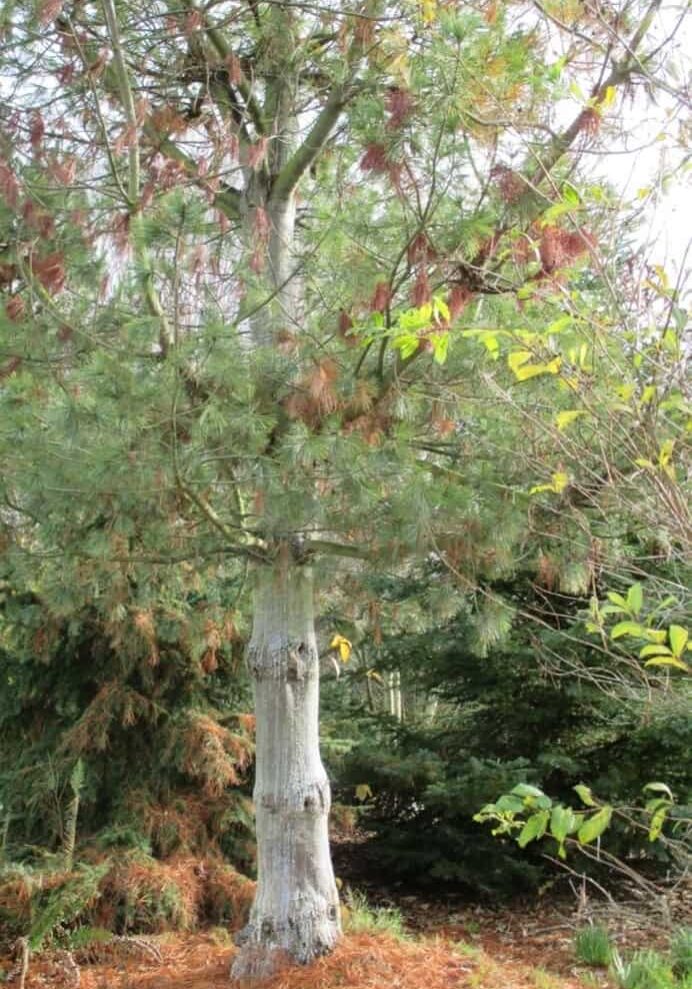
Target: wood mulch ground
x=452, y=944
x=361, y=961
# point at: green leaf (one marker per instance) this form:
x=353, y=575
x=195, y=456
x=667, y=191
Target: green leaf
x=657, y=787
x=563, y=822
x=534, y=828
x=668, y=661
x=440, y=345
x=626, y=628
x=585, y=795
x=527, y=790
x=407, y=344
x=570, y=194
x=559, y=325
x=516, y=359
x=510, y=804
x=440, y=309
x=559, y=482
x=657, y=635
x=595, y=825
x=617, y=599
x=635, y=599
x=654, y=651
x=657, y=821
x=678, y=639
x=527, y=371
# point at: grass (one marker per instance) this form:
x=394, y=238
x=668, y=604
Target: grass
x=544, y=980
x=592, y=946
x=681, y=953
x=645, y=969
x=360, y=918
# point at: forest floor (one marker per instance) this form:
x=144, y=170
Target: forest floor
x=449, y=943
x=466, y=949
x=361, y=961
x=447, y=946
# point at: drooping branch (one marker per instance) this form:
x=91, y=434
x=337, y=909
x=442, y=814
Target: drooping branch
x=619, y=74
x=151, y=294
x=544, y=163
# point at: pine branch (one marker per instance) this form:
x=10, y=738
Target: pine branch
x=341, y=94
x=337, y=549
x=244, y=87
x=126, y=97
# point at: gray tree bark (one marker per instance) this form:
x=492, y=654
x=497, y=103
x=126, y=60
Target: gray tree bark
x=296, y=910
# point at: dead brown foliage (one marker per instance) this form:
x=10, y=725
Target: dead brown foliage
x=361, y=961
x=180, y=894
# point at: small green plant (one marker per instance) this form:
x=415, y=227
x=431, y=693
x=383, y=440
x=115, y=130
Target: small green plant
x=70, y=826
x=57, y=908
x=359, y=917
x=592, y=946
x=645, y=969
x=681, y=953
x=543, y=979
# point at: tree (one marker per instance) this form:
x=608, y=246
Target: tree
x=251, y=249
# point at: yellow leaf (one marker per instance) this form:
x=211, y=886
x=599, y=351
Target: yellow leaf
x=564, y=419
x=560, y=481
x=663, y=277
x=527, y=371
x=668, y=661
x=363, y=791
x=608, y=97
x=343, y=645
x=401, y=70
x=666, y=452
x=517, y=358
x=429, y=11
x=374, y=675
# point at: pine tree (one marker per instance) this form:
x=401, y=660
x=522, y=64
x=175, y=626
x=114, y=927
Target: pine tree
x=252, y=251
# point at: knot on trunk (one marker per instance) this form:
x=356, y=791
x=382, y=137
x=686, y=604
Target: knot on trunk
x=293, y=660
x=296, y=668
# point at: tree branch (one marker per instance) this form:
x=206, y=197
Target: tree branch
x=298, y=163
x=337, y=549
x=243, y=86
x=126, y=97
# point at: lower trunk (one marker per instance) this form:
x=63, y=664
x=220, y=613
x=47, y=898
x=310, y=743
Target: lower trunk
x=296, y=911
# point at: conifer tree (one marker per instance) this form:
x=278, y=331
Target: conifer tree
x=252, y=253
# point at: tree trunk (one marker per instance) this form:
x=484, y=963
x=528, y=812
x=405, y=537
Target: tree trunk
x=296, y=910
